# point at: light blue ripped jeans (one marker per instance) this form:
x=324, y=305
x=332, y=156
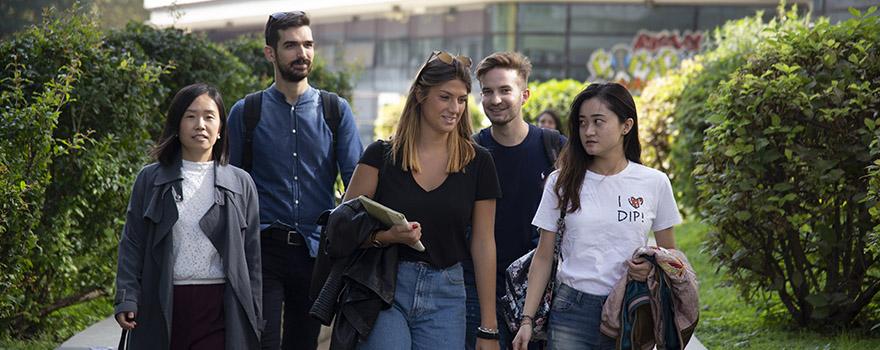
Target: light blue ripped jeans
x=428, y=311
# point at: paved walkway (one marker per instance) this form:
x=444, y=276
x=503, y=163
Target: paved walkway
x=104, y=335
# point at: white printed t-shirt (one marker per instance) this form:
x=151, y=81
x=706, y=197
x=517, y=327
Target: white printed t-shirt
x=617, y=212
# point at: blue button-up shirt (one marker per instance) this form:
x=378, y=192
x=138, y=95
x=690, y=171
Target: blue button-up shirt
x=293, y=164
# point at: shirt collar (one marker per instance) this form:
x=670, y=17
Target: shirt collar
x=308, y=95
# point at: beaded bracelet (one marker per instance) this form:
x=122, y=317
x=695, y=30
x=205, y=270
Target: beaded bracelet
x=529, y=318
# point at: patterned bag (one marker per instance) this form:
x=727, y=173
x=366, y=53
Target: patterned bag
x=516, y=282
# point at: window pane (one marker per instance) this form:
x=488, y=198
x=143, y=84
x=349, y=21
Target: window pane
x=624, y=19
x=543, y=49
x=420, y=50
x=503, y=42
x=360, y=53
x=393, y=53
x=361, y=29
x=329, y=31
x=542, y=18
x=545, y=73
x=467, y=22
x=471, y=46
x=392, y=29
x=502, y=18
x=714, y=16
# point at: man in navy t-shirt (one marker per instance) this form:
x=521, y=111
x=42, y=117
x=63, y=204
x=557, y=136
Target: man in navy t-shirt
x=522, y=163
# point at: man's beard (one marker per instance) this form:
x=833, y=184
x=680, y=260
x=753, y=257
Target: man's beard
x=501, y=120
x=294, y=75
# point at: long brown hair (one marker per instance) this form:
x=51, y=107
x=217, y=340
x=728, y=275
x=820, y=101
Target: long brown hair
x=403, y=144
x=574, y=160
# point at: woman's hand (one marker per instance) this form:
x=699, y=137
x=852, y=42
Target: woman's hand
x=523, y=336
x=404, y=234
x=638, y=269
x=126, y=320
x=487, y=344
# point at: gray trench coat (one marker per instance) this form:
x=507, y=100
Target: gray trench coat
x=144, y=276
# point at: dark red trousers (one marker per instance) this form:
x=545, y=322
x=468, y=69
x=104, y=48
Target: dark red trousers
x=197, y=320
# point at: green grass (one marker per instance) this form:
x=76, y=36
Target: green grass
x=64, y=324
x=727, y=321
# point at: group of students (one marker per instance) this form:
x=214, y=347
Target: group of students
x=213, y=256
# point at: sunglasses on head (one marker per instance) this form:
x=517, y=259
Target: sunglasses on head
x=446, y=58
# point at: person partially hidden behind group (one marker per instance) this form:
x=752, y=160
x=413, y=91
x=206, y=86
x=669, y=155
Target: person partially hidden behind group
x=548, y=119
x=433, y=173
x=612, y=202
x=188, y=274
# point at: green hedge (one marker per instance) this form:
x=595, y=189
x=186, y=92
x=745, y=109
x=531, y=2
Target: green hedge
x=76, y=122
x=553, y=94
x=784, y=170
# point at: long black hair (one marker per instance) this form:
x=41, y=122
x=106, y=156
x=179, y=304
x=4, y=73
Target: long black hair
x=574, y=160
x=167, y=150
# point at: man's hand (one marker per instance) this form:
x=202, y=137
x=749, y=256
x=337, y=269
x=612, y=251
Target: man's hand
x=126, y=320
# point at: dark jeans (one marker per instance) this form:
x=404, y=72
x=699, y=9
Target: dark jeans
x=574, y=321
x=197, y=321
x=473, y=321
x=287, y=272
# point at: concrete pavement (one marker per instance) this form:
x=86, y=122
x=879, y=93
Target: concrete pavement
x=104, y=335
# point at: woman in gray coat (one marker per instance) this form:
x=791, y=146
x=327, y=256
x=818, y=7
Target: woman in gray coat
x=189, y=259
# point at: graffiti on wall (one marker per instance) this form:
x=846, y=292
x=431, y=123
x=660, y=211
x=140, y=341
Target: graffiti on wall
x=650, y=55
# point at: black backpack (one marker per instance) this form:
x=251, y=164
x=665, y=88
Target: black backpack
x=552, y=140
x=253, y=103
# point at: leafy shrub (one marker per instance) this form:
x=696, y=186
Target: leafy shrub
x=76, y=122
x=784, y=174
x=553, y=94
x=656, y=107
x=189, y=58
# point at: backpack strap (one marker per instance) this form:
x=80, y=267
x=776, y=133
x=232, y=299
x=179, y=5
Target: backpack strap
x=333, y=117
x=552, y=144
x=253, y=104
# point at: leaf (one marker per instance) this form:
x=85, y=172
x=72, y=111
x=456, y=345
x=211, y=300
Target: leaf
x=855, y=12
x=743, y=215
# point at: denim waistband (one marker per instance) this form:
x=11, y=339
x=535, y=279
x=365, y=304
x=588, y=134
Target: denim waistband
x=575, y=295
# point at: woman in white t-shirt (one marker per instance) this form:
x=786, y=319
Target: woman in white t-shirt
x=611, y=202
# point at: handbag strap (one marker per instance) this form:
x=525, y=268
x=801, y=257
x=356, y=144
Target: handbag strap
x=560, y=230
x=123, y=340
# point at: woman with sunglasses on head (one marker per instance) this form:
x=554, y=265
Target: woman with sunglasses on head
x=433, y=173
x=188, y=275
x=611, y=202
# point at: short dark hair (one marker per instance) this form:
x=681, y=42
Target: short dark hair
x=167, y=150
x=506, y=60
x=281, y=21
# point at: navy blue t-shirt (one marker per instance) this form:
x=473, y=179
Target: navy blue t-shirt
x=521, y=173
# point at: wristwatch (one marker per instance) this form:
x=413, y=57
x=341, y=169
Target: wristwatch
x=487, y=333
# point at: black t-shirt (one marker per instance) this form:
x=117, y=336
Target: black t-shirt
x=445, y=212
x=523, y=169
